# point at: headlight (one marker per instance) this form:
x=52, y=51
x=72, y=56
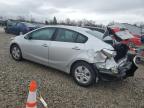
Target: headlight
x=108, y=53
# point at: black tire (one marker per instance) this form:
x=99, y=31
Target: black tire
x=19, y=56
x=92, y=74
x=138, y=60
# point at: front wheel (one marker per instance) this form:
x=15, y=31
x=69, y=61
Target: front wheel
x=16, y=52
x=83, y=74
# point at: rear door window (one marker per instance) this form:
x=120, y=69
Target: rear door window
x=64, y=35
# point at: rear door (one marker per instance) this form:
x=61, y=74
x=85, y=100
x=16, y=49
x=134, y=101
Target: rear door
x=65, y=48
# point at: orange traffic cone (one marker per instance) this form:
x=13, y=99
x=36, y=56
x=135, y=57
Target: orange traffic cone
x=31, y=101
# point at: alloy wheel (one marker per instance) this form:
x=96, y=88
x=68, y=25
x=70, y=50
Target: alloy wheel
x=16, y=52
x=82, y=74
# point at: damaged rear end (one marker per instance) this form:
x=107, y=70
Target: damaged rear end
x=116, y=64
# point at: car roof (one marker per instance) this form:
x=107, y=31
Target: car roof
x=28, y=24
x=74, y=28
x=102, y=30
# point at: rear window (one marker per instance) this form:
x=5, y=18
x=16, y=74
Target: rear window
x=96, y=34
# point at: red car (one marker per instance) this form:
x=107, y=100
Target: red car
x=113, y=35
x=124, y=36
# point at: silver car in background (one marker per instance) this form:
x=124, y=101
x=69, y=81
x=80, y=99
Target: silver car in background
x=74, y=50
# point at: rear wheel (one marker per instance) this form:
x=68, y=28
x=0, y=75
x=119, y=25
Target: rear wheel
x=16, y=52
x=83, y=74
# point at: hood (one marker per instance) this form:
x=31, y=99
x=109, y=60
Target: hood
x=121, y=33
x=124, y=35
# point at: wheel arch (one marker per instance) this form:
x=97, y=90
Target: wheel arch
x=13, y=45
x=71, y=66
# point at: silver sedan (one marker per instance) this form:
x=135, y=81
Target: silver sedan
x=74, y=50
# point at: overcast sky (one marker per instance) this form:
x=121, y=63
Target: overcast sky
x=101, y=11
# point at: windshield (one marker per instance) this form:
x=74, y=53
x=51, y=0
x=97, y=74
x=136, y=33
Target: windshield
x=96, y=34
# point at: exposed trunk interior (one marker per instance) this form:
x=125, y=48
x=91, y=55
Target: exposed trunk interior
x=121, y=50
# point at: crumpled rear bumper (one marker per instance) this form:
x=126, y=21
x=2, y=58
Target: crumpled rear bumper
x=121, y=72
x=127, y=70
x=130, y=72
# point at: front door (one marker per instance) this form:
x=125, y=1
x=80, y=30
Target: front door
x=36, y=45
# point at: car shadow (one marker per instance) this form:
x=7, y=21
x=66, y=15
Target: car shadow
x=47, y=68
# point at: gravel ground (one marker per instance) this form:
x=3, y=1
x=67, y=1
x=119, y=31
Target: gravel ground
x=59, y=89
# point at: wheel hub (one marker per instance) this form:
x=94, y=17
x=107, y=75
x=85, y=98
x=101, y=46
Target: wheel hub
x=16, y=52
x=82, y=74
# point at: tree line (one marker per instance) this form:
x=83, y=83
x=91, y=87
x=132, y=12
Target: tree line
x=67, y=21
x=70, y=22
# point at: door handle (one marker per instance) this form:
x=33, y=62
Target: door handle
x=45, y=45
x=76, y=48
